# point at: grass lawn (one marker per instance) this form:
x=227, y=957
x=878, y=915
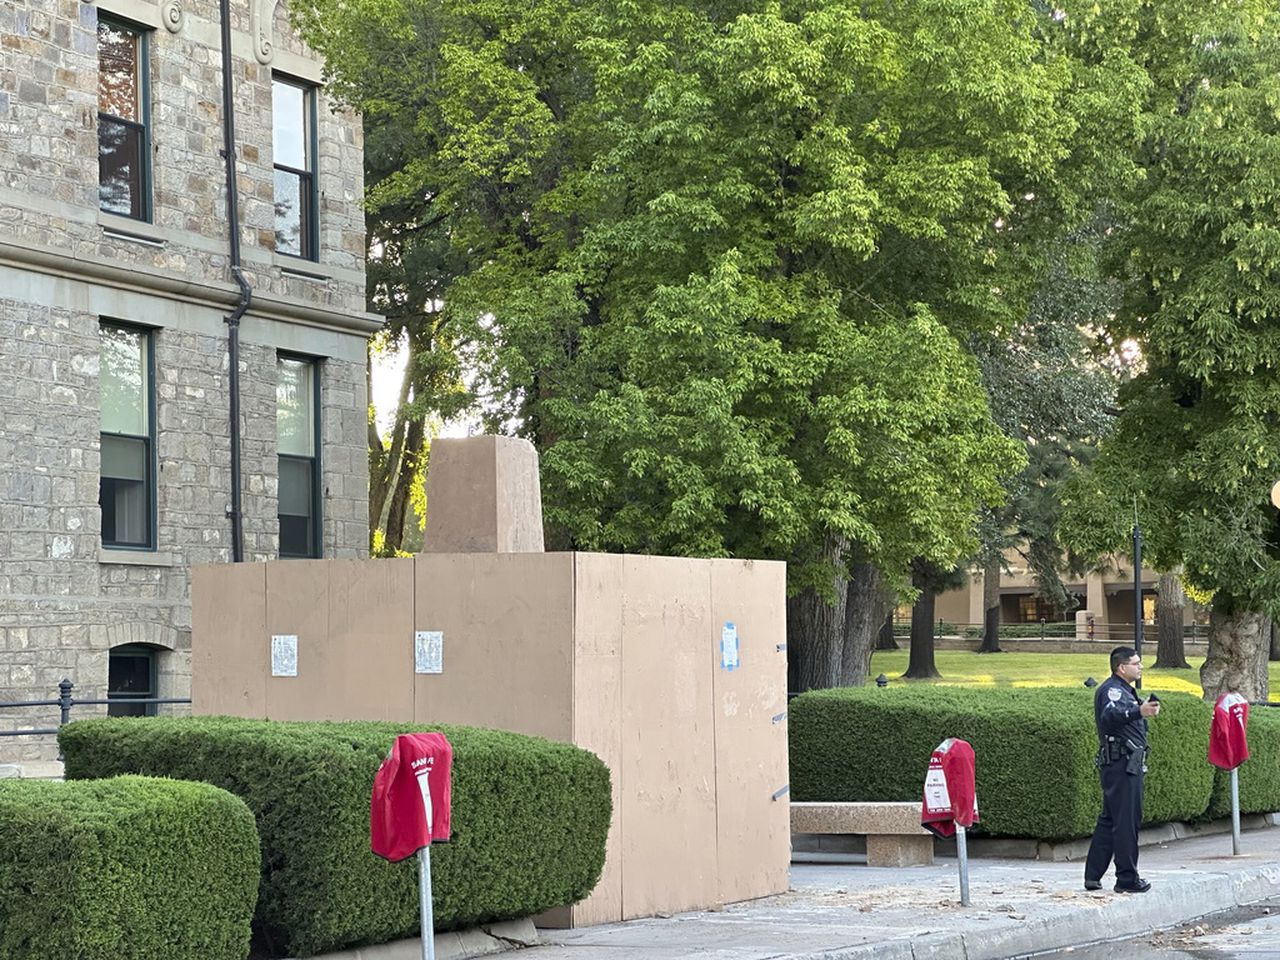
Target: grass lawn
x=966, y=669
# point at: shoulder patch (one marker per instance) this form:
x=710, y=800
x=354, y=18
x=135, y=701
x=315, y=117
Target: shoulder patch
x=1114, y=694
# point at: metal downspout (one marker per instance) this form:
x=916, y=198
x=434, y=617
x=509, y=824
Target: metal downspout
x=246, y=292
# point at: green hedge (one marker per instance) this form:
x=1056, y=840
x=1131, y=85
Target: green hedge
x=529, y=819
x=1259, y=775
x=1034, y=750
x=125, y=869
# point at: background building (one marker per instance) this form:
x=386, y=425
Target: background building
x=115, y=289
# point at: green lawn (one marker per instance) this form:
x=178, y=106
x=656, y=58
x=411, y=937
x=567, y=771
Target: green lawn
x=966, y=669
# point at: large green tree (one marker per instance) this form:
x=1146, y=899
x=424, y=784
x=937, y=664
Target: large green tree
x=722, y=261
x=1198, y=444
x=1051, y=391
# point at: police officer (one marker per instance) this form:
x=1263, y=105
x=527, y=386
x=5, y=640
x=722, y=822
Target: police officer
x=1121, y=719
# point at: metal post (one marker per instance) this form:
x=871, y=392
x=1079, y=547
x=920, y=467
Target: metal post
x=1235, y=812
x=424, y=904
x=64, y=706
x=64, y=701
x=1137, y=591
x=962, y=852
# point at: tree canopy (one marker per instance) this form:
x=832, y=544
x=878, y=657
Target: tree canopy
x=727, y=262
x=1195, y=450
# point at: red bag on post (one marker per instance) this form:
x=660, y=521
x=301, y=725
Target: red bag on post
x=411, y=796
x=1228, y=745
x=950, y=794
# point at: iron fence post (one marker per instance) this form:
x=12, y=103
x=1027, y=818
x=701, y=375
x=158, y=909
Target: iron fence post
x=64, y=701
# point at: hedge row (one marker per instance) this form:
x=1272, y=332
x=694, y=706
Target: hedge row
x=529, y=819
x=125, y=869
x=1034, y=749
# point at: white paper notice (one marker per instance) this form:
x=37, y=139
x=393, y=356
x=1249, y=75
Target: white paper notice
x=729, y=659
x=284, y=655
x=428, y=651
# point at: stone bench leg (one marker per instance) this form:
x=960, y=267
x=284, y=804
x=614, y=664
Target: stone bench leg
x=895, y=850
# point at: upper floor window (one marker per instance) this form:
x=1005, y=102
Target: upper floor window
x=123, y=121
x=293, y=135
x=127, y=486
x=297, y=443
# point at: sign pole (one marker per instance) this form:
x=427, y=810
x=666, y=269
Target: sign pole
x=424, y=903
x=962, y=853
x=1235, y=811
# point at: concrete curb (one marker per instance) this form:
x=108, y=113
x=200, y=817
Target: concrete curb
x=450, y=945
x=1171, y=902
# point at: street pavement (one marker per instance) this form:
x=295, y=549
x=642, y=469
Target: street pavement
x=1018, y=908
x=1251, y=933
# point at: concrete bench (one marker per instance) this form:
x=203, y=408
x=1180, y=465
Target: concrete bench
x=894, y=835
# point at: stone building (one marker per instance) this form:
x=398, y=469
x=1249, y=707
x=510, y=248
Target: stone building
x=117, y=283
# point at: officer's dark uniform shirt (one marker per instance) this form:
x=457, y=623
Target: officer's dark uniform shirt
x=1118, y=713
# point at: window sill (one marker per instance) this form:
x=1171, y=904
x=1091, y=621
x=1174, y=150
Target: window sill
x=135, y=558
x=301, y=268
x=125, y=228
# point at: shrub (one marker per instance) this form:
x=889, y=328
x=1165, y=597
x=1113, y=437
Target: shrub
x=529, y=820
x=1034, y=749
x=1259, y=775
x=125, y=869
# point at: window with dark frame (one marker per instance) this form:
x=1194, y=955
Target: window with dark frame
x=131, y=675
x=293, y=123
x=123, y=120
x=297, y=438
x=126, y=492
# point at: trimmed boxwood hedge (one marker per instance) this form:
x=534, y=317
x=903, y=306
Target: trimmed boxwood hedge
x=1034, y=750
x=529, y=819
x=125, y=869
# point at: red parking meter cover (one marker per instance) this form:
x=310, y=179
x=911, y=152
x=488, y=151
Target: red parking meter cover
x=950, y=795
x=1228, y=745
x=411, y=796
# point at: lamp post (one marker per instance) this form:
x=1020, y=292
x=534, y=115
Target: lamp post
x=1137, y=591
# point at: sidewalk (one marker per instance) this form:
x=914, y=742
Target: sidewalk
x=856, y=912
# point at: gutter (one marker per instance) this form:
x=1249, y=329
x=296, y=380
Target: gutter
x=246, y=292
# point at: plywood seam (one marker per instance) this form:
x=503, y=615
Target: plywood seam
x=715, y=727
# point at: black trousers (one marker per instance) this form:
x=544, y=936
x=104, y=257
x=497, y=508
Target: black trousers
x=1116, y=834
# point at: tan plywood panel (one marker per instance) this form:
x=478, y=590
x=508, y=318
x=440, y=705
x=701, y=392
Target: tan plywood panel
x=229, y=660
x=369, y=651
x=597, y=708
x=507, y=621
x=668, y=754
x=753, y=836
x=298, y=604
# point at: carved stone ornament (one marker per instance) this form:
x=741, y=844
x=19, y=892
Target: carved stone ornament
x=171, y=15
x=262, y=15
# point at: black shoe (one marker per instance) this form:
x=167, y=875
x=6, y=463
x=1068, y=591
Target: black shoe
x=1138, y=886
x=1093, y=884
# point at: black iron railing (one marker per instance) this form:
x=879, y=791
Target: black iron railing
x=66, y=701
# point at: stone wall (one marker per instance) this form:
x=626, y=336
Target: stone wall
x=65, y=266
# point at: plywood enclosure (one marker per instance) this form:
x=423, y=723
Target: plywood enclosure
x=621, y=655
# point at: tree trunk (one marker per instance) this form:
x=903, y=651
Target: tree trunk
x=815, y=631
x=920, y=665
x=863, y=619
x=991, y=606
x=1171, y=603
x=886, y=640
x=409, y=464
x=1237, y=662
